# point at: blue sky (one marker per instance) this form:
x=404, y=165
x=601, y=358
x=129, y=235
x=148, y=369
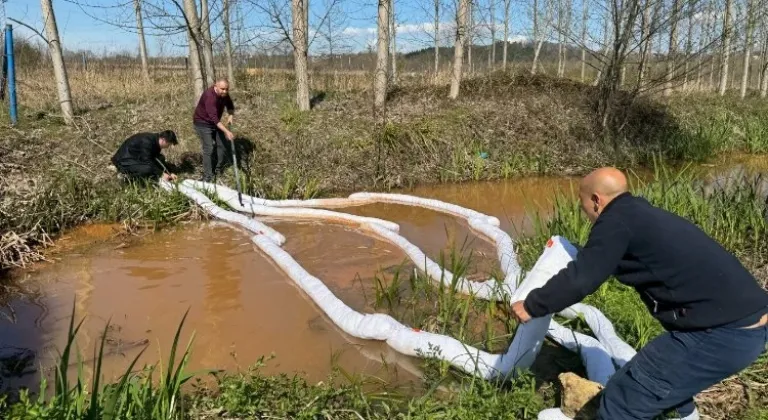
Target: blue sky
x=82, y=27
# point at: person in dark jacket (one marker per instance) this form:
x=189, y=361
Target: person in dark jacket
x=140, y=157
x=714, y=311
x=210, y=128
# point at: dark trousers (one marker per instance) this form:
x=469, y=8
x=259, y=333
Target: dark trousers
x=669, y=371
x=216, y=150
x=137, y=170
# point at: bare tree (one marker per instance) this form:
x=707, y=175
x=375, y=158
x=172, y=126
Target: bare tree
x=300, y=51
x=437, y=36
x=393, y=37
x=672, y=51
x=142, y=40
x=563, y=33
x=624, y=19
x=207, y=42
x=688, y=42
x=194, y=36
x=748, y=31
x=458, y=48
x=726, y=46
x=470, y=36
x=380, y=77
x=584, y=22
x=645, y=42
x=507, y=4
x=538, y=34
x=492, y=6
x=228, y=41
x=59, y=69
x=560, y=38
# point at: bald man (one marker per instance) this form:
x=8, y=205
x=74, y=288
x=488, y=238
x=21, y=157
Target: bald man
x=215, y=137
x=714, y=311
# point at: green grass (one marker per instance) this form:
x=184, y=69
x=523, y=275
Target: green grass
x=733, y=216
x=149, y=393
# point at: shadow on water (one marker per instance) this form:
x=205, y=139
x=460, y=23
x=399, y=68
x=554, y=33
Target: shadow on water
x=20, y=346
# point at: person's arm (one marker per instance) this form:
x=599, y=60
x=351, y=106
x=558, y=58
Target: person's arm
x=230, y=108
x=607, y=243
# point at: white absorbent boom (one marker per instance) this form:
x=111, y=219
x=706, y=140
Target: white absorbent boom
x=601, y=355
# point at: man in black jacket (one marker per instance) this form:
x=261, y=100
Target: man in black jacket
x=140, y=157
x=714, y=311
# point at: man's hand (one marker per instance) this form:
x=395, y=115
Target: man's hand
x=229, y=135
x=519, y=312
x=169, y=177
x=230, y=117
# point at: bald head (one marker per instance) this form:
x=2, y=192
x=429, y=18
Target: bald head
x=609, y=182
x=221, y=87
x=599, y=188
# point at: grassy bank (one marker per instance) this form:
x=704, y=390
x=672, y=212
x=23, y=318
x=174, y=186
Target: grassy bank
x=735, y=216
x=54, y=176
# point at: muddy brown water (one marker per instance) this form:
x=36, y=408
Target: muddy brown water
x=241, y=306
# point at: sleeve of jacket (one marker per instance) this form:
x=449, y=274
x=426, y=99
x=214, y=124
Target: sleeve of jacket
x=229, y=104
x=607, y=243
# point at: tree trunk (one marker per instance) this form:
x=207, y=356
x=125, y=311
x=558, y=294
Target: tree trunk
x=726, y=48
x=393, y=33
x=437, y=36
x=645, y=43
x=763, y=85
x=761, y=60
x=702, y=43
x=536, y=36
x=142, y=40
x=747, y=46
x=59, y=69
x=712, y=38
x=507, y=4
x=688, y=43
x=194, y=37
x=470, y=36
x=210, y=73
x=228, y=41
x=606, y=47
x=584, y=20
x=764, y=74
x=299, y=22
x=458, y=46
x=493, y=34
x=380, y=78
x=560, y=51
x=672, y=50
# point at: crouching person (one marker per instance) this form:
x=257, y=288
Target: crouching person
x=140, y=157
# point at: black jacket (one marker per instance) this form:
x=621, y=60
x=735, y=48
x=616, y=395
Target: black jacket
x=686, y=279
x=138, y=156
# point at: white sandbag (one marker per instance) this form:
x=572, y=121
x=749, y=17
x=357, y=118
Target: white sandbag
x=620, y=351
x=221, y=190
x=598, y=354
x=427, y=203
x=248, y=223
x=304, y=213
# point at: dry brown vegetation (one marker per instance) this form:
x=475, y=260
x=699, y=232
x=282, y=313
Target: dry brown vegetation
x=504, y=125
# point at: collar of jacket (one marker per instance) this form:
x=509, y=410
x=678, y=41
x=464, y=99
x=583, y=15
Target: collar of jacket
x=623, y=195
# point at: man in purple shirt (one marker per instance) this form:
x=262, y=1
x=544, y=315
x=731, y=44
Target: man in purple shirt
x=210, y=128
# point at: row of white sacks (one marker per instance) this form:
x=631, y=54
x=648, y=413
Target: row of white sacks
x=601, y=355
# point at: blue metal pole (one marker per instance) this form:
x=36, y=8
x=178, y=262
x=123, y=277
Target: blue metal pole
x=11, y=74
